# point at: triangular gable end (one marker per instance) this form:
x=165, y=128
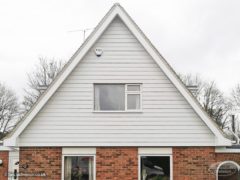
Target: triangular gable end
x=116, y=10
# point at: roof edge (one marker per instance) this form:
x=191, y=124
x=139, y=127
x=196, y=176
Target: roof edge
x=58, y=77
x=76, y=58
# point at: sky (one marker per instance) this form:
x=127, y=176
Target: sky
x=198, y=37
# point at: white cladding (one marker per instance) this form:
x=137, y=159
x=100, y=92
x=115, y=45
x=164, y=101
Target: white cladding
x=68, y=119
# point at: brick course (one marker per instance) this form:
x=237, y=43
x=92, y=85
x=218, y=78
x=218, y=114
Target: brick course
x=114, y=163
x=193, y=163
x=4, y=168
x=41, y=159
x=117, y=163
x=228, y=157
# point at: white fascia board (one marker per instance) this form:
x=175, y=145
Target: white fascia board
x=118, y=144
x=10, y=142
x=222, y=141
x=4, y=148
x=226, y=150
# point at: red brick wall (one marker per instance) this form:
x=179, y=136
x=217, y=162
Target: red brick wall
x=193, y=163
x=41, y=159
x=4, y=167
x=114, y=163
x=117, y=163
x=228, y=157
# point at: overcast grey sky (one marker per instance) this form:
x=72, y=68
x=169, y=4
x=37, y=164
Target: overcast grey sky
x=195, y=36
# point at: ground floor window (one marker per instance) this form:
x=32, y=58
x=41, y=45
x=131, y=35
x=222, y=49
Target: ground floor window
x=155, y=167
x=78, y=167
x=228, y=170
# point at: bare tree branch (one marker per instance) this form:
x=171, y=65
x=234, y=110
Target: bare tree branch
x=236, y=96
x=42, y=76
x=211, y=98
x=9, y=109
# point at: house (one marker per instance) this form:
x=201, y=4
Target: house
x=118, y=111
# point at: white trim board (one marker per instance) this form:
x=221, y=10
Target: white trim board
x=226, y=150
x=153, y=151
x=115, y=11
x=4, y=148
x=89, y=151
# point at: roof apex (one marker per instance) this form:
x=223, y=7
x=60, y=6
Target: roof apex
x=119, y=11
x=117, y=4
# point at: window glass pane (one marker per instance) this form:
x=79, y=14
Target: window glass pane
x=109, y=97
x=155, y=167
x=228, y=171
x=78, y=168
x=133, y=101
x=133, y=87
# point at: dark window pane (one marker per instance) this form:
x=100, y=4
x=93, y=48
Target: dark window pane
x=155, y=167
x=228, y=171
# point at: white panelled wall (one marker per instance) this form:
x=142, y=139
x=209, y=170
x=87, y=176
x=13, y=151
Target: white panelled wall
x=68, y=118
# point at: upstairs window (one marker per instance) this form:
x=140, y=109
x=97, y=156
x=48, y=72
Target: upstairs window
x=117, y=97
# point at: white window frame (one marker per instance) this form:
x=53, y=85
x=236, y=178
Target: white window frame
x=80, y=155
x=158, y=155
x=126, y=93
x=226, y=162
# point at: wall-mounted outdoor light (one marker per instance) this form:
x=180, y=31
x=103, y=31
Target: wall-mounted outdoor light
x=1, y=162
x=98, y=52
x=25, y=166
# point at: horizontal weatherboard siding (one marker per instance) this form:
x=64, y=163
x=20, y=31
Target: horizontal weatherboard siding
x=68, y=118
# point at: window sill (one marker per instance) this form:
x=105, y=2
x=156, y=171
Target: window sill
x=129, y=111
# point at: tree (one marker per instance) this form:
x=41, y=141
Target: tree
x=39, y=79
x=216, y=104
x=9, y=109
x=193, y=80
x=236, y=96
x=211, y=99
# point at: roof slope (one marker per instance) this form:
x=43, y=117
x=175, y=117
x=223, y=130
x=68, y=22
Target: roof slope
x=116, y=10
